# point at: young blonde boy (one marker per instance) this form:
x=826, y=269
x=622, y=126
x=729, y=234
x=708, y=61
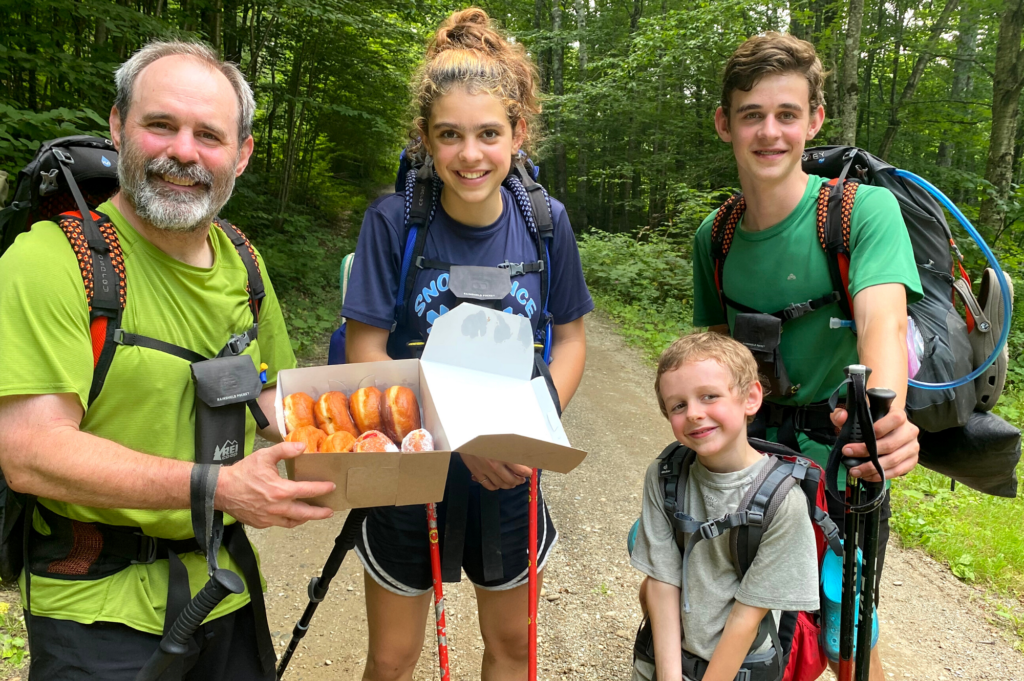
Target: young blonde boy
x=708, y=388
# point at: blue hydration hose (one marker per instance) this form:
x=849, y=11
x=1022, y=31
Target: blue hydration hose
x=1007, y=303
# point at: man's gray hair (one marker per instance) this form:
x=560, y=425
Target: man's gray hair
x=128, y=72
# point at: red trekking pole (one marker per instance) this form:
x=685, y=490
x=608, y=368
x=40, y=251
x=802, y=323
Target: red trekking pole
x=532, y=588
x=435, y=571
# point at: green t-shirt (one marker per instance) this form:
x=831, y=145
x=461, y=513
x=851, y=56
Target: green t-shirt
x=147, y=403
x=784, y=264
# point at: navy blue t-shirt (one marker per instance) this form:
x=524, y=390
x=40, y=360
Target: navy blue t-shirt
x=375, y=276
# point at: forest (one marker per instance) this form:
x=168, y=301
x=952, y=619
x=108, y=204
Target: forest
x=629, y=92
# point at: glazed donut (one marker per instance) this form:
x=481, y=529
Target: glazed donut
x=310, y=435
x=374, y=441
x=298, y=411
x=418, y=441
x=341, y=441
x=399, y=412
x=365, y=407
x=331, y=413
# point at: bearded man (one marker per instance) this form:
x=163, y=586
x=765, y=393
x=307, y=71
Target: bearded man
x=113, y=469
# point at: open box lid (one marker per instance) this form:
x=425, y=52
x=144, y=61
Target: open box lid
x=477, y=366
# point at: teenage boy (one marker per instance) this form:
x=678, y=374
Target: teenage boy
x=772, y=104
x=707, y=387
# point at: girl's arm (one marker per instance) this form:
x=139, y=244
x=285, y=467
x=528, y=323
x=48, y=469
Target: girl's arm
x=739, y=633
x=663, y=609
x=568, y=357
x=365, y=343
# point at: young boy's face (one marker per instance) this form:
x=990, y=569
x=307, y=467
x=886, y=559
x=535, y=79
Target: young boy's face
x=769, y=126
x=706, y=414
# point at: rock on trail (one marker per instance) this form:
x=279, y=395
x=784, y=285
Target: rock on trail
x=933, y=627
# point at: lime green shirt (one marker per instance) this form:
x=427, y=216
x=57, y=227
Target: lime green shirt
x=784, y=264
x=147, y=402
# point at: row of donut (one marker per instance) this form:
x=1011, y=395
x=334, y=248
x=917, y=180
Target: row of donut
x=369, y=421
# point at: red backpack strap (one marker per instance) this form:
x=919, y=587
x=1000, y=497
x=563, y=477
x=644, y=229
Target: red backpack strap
x=257, y=292
x=834, y=215
x=723, y=229
x=103, y=276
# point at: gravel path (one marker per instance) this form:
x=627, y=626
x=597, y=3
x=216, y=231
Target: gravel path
x=933, y=626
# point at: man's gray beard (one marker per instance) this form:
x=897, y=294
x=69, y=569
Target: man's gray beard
x=165, y=208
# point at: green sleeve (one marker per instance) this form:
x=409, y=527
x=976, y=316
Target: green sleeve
x=45, y=346
x=880, y=247
x=707, y=307
x=275, y=346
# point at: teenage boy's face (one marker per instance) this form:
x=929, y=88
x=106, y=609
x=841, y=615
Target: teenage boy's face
x=769, y=126
x=706, y=414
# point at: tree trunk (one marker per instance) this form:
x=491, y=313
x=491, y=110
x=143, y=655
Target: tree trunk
x=558, y=86
x=923, y=58
x=1006, y=87
x=543, y=58
x=966, y=45
x=848, y=89
x=581, y=140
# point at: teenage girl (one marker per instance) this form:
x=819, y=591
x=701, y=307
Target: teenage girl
x=477, y=103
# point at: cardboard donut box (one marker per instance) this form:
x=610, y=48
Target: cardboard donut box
x=476, y=397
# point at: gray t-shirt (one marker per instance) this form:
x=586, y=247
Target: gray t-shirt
x=783, y=576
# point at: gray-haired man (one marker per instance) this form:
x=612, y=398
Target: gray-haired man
x=120, y=466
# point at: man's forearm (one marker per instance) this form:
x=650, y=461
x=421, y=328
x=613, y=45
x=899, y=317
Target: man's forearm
x=75, y=467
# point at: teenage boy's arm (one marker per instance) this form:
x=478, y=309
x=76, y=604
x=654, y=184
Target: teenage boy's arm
x=43, y=452
x=663, y=609
x=881, y=316
x=737, y=637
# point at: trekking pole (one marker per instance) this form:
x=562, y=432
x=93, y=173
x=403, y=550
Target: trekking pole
x=848, y=604
x=175, y=644
x=435, y=572
x=318, y=585
x=532, y=589
x=879, y=400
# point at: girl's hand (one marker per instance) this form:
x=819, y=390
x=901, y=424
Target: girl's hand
x=494, y=475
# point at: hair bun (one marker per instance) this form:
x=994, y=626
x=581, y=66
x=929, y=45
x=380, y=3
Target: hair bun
x=470, y=29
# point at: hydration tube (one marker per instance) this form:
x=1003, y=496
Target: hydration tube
x=1007, y=303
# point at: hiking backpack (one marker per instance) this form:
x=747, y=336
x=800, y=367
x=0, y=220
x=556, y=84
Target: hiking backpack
x=422, y=190
x=66, y=180
x=799, y=653
x=948, y=353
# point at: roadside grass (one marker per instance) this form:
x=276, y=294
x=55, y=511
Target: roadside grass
x=977, y=536
x=13, y=637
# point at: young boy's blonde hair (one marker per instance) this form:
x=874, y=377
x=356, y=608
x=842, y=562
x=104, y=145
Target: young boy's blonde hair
x=696, y=347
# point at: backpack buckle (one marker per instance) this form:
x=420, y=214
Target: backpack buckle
x=147, y=550
x=710, y=530
x=119, y=336
x=753, y=518
x=515, y=269
x=742, y=675
x=63, y=156
x=48, y=185
x=797, y=310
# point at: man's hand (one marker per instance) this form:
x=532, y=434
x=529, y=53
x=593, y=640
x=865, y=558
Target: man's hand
x=494, y=475
x=252, y=491
x=897, y=444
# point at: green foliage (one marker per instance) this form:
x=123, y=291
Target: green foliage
x=645, y=286
x=13, y=649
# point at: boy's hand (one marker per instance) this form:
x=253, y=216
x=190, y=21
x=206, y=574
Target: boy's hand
x=897, y=444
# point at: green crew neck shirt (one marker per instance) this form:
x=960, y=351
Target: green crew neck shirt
x=773, y=268
x=147, y=402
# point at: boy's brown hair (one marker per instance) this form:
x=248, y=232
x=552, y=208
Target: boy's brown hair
x=773, y=54
x=731, y=354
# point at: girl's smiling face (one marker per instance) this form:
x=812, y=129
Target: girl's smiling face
x=472, y=143
x=707, y=414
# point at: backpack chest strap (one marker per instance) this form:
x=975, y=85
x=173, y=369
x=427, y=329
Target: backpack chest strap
x=698, y=530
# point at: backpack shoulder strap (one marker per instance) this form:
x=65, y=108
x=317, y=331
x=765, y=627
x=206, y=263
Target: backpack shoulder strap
x=723, y=229
x=103, y=276
x=422, y=193
x=834, y=215
x=673, y=472
x=255, y=288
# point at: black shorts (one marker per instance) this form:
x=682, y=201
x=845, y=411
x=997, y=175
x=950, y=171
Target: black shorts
x=62, y=650
x=395, y=550
x=837, y=512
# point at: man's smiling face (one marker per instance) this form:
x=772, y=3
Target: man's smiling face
x=769, y=126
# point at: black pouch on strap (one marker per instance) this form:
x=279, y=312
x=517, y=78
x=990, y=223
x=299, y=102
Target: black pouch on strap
x=762, y=335
x=223, y=387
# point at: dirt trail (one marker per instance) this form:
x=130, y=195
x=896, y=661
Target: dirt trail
x=933, y=626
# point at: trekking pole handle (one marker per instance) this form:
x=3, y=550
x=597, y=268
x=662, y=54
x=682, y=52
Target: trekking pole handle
x=880, y=400
x=222, y=584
